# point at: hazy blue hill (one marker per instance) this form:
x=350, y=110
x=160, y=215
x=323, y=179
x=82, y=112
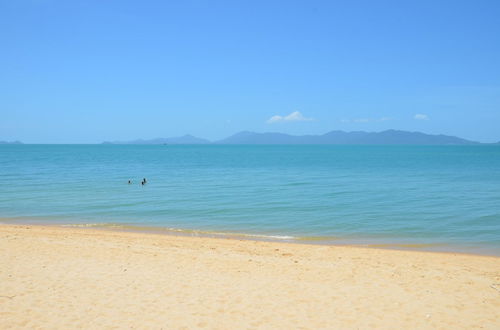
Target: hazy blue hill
x=13, y=142
x=186, y=139
x=262, y=138
x=403, y=137
x=341, y=137
x=333, y=137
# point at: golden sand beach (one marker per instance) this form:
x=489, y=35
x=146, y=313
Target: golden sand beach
x=60, y=278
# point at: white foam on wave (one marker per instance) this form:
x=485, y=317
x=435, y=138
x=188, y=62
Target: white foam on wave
x=93, y=225
x=284, y=237
x=179, y=230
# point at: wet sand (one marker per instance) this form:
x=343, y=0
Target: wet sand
x=55, y=277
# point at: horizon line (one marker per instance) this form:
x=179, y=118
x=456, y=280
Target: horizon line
x=215, y=141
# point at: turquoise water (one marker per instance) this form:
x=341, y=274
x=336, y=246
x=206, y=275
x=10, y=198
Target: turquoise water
x=444, y=197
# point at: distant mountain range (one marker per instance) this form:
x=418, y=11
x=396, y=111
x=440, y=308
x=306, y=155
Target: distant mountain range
x=341, y=137
x=333, y=137
x=13, y=142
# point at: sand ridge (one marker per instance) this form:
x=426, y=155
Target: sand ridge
x=55, y=277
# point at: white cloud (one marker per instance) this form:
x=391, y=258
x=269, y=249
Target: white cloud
x=420, y=116
x=275, y=119
x=294, y=116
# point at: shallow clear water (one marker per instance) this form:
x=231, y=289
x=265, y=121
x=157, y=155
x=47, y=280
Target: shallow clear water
x=444, y=196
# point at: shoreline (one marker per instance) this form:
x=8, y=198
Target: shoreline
x=59, y=277
x=371, y=243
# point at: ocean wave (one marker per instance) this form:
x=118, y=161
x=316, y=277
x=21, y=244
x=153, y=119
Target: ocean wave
x=184, y=231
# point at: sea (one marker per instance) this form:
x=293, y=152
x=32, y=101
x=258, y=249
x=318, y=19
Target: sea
x=438, y=198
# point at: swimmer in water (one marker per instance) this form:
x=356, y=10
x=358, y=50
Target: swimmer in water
x=129, y=182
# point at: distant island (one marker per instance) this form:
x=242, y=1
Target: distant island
x=13, y=142
x=333, y=137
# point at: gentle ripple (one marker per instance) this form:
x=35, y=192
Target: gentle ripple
x=443, y=195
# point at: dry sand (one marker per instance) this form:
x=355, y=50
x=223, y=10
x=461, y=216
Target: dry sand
x=53, y=277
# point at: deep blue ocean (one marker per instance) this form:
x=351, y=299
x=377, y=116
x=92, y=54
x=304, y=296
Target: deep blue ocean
x=431, y=197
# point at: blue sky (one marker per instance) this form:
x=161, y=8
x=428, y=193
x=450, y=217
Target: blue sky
x=88, y=71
